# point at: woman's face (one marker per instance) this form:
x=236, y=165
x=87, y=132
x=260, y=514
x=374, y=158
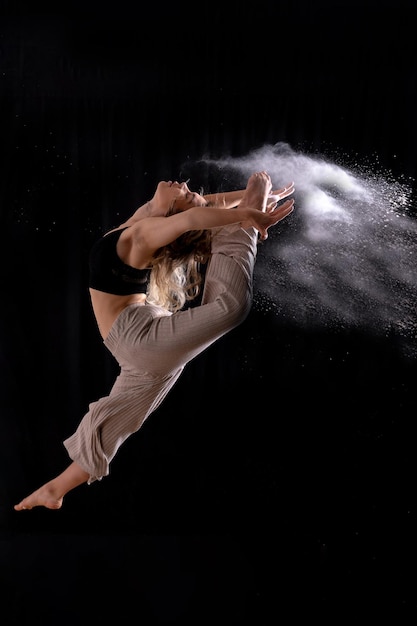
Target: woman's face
x=177, y=196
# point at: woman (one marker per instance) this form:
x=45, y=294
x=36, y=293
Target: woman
x=141, y=276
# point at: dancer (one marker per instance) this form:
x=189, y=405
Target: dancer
x=142, y=274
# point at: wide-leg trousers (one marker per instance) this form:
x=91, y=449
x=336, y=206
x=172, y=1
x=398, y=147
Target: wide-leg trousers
x=152, y=347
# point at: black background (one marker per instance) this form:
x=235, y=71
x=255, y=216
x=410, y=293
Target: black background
x=277, y=481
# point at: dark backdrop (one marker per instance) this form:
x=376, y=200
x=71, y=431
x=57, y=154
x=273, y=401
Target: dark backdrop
x=278, y=476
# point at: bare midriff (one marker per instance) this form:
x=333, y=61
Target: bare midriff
x=107, y=307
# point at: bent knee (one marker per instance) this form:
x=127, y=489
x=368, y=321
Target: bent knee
x=235, y=311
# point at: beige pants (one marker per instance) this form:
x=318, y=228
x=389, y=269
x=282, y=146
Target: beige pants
x=152, y=347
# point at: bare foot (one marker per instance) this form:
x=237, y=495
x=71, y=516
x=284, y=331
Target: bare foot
x=51, y=494
x=44, y=496
x=256, y=193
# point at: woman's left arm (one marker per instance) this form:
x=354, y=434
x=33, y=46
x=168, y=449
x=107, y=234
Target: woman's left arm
x=231, y=199
x=225, y=200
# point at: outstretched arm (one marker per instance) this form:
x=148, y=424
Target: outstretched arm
x=154, y=232
x=231, y=199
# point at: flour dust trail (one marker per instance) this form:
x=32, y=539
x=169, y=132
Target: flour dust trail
x=347, y=256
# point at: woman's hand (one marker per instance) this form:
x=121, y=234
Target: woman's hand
x=259, y=194
x=263, y=220
x=280, y=194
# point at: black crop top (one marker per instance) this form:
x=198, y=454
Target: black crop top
x=108, y=273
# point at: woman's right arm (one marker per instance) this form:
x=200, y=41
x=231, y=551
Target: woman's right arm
x=154, y=232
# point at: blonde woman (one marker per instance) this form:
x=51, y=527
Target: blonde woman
x=142, y=274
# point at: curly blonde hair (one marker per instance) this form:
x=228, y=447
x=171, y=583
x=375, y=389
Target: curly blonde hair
x=176, y=276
